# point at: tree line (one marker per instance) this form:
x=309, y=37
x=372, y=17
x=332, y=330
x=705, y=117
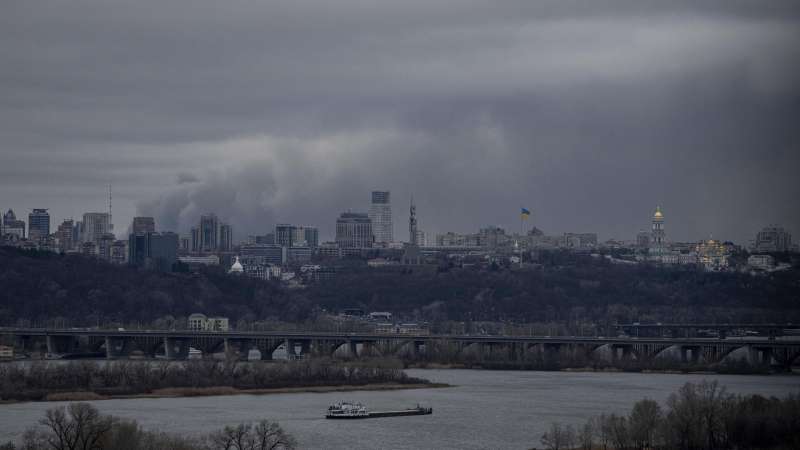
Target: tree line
x=700, y=416
x=80, y=426
x=40, y=380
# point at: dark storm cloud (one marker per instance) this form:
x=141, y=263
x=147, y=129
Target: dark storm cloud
x=590, y=113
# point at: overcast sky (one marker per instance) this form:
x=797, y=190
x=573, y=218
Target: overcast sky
x=589, y=113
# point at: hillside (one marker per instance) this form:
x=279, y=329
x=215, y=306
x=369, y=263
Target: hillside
x=80, y=291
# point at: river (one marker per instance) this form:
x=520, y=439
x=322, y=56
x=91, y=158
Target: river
x=484, y=410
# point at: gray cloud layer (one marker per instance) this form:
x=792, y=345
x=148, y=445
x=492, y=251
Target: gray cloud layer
x=589, y=113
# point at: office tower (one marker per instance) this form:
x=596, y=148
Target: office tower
x=658, y=237
x=104, y=245
x=284, y=234
x=143, y=225
x=162, y=251
x=225, y=237
x=412, y=223
x=65, y=236
x=95, y=225
x=209, y=233
x=380, y=213
x=38, y=224
x=13, y=226
x=195, y=232
x=185, y=244
x=354, y=230
x=154, y=251
x=311, y=235
x=773, y=239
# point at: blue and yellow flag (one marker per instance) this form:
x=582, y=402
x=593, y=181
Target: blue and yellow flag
x=525, y=213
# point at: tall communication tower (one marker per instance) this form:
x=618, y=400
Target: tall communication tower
x=110, y=222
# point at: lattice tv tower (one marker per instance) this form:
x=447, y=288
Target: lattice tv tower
x=110, y=222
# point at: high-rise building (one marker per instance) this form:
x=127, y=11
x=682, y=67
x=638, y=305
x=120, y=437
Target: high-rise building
x=64, y=236
x=195, y=236
x=95, y=225
x=38, y=224
x=143, y=225
x=658, y=237
x=380, y=213
x=162, y=251
x=13, y=226
x=295, y=236
x=311, y=235
x=284, y=234
x=77, y=234
x=773, y=239
x=104, y=246
x=225, y=237
x=209, y=233
x=155, y=251
x=354, y=230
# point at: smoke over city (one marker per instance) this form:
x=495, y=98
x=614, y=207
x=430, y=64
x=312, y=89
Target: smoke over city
x=589, y=115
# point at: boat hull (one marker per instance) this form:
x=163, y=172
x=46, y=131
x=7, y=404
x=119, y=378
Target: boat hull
x=378, y=414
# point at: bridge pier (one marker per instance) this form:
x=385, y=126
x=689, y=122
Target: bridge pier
x=690, y=354
x=761, y=355
x=116, y=347
x=176, y=348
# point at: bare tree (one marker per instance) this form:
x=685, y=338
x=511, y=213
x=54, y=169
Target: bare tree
x=558, y=437
x=265, y=435
x=79, y=426
x=587, y=433
x=643, y=422
x=270, y=436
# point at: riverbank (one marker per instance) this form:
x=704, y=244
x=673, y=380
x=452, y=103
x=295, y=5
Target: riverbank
x=74, y=396
x=80, y=381
x=719, y=369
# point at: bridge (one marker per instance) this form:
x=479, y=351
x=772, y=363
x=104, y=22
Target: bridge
x=722, y=330
x=175, y=344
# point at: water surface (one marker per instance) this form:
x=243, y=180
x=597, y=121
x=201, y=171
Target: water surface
x=485, y=410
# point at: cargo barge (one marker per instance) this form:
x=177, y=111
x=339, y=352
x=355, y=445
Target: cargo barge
x=346, y=410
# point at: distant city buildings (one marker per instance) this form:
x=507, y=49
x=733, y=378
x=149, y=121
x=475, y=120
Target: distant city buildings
x=772, y=239
x=211, y=235
x=143, y=225
x=65, y=237
x=12, y=226
x=38, y=224
x=354, y=231
x=95, y=226
x=380, y=214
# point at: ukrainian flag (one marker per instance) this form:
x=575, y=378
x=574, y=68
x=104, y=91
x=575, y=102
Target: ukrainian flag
x=525, y=213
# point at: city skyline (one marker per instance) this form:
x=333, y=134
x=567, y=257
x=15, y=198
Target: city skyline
x=590, y=114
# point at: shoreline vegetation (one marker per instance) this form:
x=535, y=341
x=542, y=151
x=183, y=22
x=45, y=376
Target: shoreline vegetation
x=80, y=426
x=83, y=381
x=75, y=396
x=701, y=416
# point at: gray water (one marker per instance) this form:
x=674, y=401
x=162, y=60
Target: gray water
x=485, y=409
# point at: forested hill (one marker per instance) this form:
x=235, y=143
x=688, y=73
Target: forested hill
x=39, y=286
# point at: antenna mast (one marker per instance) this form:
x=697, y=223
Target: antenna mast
x=110, y=223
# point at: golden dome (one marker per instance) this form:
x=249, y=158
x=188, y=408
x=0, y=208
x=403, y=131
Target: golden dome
x=658, y=214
